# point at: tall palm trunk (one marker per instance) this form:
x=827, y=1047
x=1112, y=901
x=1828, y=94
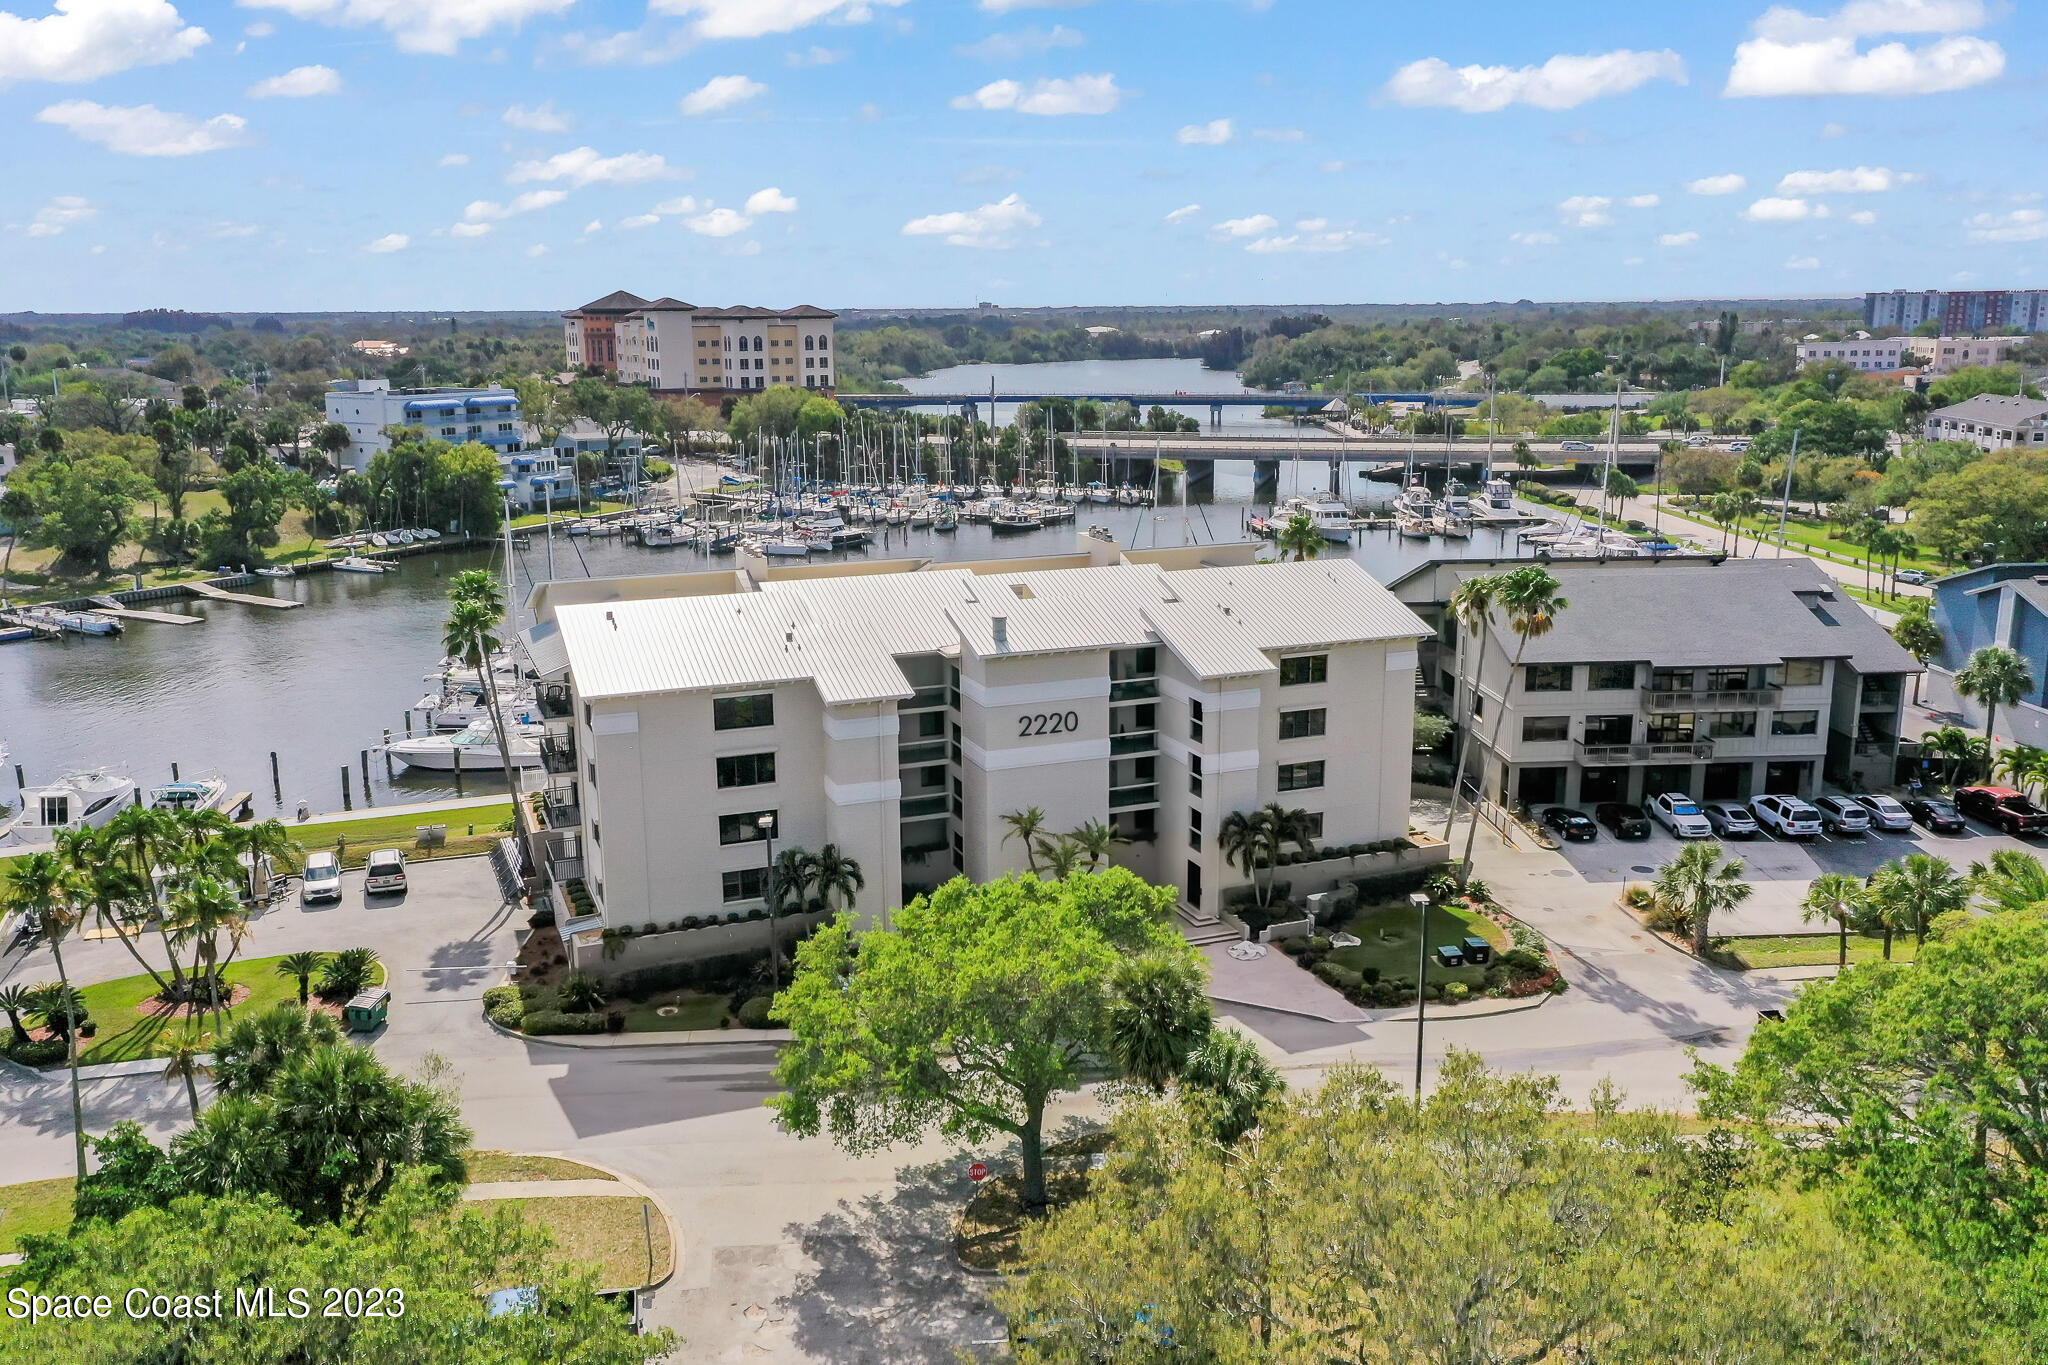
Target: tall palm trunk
x=504, y=746
x=163, y=929
x=71, y=1058
x=6, y=564
x=1492, y=747
x=107, y=917
x=1465, y=732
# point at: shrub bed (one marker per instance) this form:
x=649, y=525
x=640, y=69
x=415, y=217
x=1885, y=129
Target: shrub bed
x=541, y=1023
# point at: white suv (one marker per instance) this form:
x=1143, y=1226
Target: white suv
x=385, y=871
x=321, y=880
x=1677, y=813
x=1786, y=816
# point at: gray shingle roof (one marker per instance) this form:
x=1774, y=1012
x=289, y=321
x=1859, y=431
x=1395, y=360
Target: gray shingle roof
x=1992, y=407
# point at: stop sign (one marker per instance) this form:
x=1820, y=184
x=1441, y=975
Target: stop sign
x=978, y=1172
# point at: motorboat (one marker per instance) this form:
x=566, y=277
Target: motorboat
x=946, y=521
x=1332, y=519
x=1415, y=527
x=1099, y=493
x=275, y=571
x=74, y=801
x=358, y=564
x=1415, y=500
x=783, y=547
x=57, y=620
x=1012, y=517
x=474, y=748
x=205, y=794
x=1500, y=495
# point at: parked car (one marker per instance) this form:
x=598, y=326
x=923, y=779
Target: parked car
x=1843, y=815
x=1730, y=819
x=1677, y=813
x=2008, y=810
x=385, y=871
x=1787, y=816
x=1624, y=822
x=1738, y=447
x=321, y=880
x=1937, y=814
x=1575, y=445
x=1912, y=576
x=1571, y=824
x=1886, y=813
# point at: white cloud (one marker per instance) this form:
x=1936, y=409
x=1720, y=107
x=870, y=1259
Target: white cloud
x=385, y=245
x=541, y=118
x=1642, y=201
x=1795, y=53
x=1563, y=82
x=1803, y=263
x=536, y=251
x=1862, y=180
x=720, y=92
x=225, y=231
x=594, y=225
x=1311, y=224
x=1776, y=210
x=1214, y=133
x=2021, y=225
x=1834, y=130
x=145, y=130
x=1319, y=242
x=1030, y=42
x=1183, y=213
x=259, y=30
x=770, y=200
x=1717, y=184
x=758, y=18
x=491, y=211
x=83, y=40
x=584, y=166
x=1279, y=135
x=469, y=230
x=298, y=83
x=674, y=207
x=437, y=26
x=1533, y=238
x=1587, y=210
x=1863, y=217
x=992, y=226
x=815, y=55
x=1678, y=239
x=1006, y=6
x=1251, y=226
x=648, y=45
x=62, y=211
x=454, y=159
x=718, y=223
x=1333, y=167
x=1097, y=94
x=639, y=220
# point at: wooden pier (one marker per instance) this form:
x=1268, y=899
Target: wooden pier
x=247, y=599
x=109, y=606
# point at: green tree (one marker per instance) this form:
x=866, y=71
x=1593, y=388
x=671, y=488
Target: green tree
x=150, y=839
x=476, y=604
x=838, y=878
x=41, y=884
x=1255, y=839
x=1699, y=884
x=14, y=1002
x=109, y=885
x=970, y=1012
x=82, y=505
x=1300, y=538
x=1839, y=897
x=1229, y=1083
x=1531, y=600
x=300, y=967
x=256, y=1047
x=185, y=1062
x=1917, y=890
x=1996, y=676
x=1471, y=606
x=1026, y=826
x=1098, y=841
x=1918, y=635
x=18, y=510
x=200, y=914
x=2012, y=879
x=1158, y=1014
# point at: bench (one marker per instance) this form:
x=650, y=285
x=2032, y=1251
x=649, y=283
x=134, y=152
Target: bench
x=430, y=836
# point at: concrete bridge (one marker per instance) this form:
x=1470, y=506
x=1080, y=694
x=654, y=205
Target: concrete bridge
x=969, y=403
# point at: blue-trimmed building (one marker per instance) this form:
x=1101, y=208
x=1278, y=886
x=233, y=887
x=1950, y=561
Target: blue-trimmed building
x=1999, y=604
x=369, y=408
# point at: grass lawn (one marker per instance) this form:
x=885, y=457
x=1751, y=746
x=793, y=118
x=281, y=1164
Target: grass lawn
x=1807, y=534
x=566, y=512
x=606, y=1231
x=1387, y=941
x=38, y=1206
x=487, y=1167
x=987, y=1234
x=127, y=1032
x=693, y=1010
x=400, y=831
x=1816, y=950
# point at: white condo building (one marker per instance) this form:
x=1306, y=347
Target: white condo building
x=901, y=709
x=677, y=347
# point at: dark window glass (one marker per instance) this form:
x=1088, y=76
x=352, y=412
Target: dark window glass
x=1547, y=678
x=1304, y=668
x=747, y=884
x=1610, y=677
x=743, y=713
x=1546, y=729
x=1302, y=724
x=1795, y=722
x=1301, y=776
x=746, y=770
x=745, y=827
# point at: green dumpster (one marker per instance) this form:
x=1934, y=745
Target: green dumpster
x=367, y=1011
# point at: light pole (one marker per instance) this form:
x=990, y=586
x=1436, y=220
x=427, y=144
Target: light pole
x=1420, y=901
x=766, y=824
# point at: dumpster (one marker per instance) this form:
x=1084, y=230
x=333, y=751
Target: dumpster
x=1478, y=951
x=1450, y=955
x=367, y=1011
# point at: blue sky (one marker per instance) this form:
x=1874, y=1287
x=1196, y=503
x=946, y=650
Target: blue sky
x=461, y=154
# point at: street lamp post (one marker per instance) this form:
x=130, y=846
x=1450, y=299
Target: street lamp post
x=1420, y=901
x=766, y=824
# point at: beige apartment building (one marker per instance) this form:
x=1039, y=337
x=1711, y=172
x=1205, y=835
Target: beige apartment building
x=677, y=347
x=902, y=709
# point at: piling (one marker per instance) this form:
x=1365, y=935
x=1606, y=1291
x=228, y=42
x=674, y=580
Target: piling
x=366, y=779
x=408, y=725
x=20, y=782
x=276, y=785
x=457, y=751
x=346, y=804
x=174, y=772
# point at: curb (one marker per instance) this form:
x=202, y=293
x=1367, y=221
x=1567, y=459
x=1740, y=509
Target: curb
x=1282, y=1009
x=681, y=1037
x=675, y=1233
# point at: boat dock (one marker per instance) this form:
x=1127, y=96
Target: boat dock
x=109, y=606
x=247, y=599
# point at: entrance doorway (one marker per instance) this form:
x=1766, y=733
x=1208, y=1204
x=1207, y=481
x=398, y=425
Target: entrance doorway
x=1194, y=885
x=1787, y=779
x=1539, y=787
x=1603, y=784
x=1726, y=782
x=1667, y=777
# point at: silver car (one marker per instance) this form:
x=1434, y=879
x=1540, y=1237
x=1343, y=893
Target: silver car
x=321, y=881
x=1886, y=813
x=1730, y=819
x=1843, y=815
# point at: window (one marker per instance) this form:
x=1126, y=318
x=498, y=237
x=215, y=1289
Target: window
x=1671, y=680
x=1302, y=724
x=809, y=342
x=1727, y=679
x=745, y=770
x=1731, y=724
x=1674, y=727
x=1610, y=677
x=1195, y=830
x=1547, y=678
x=1296, y=777
x=1801, y=673
x=931, y=725
x=1546, y=729
x=593, y=772
x=1194, y=722
x=1194, y=774
x=743, y=713
x=1795, y=722
x=745, y=827
x=747, y=884
x=1304, y=668
x=1312, y=824
x=1610, y=729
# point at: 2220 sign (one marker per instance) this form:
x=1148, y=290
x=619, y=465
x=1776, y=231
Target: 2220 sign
x=1048, y=723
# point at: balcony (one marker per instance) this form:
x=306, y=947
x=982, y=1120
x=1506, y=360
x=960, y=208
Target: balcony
x=558, y=751
x=1134, y=742
x=1691, y=700
x=922, y=807
x=925, y=699
x=1880, y=699
x=1134, y=689
x=919, y=754
x=564, y=855
x=1122, y=797
x=561, y=804
x=1644, y=753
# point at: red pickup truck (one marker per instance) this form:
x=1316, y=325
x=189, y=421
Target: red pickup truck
x=2008, y=810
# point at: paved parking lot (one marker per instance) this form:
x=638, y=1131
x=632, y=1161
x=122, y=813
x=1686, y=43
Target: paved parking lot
x=1781, y=869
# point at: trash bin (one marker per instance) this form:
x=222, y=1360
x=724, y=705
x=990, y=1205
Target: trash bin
x=1450, y=955
x=367, y=1011
x=1478, y=951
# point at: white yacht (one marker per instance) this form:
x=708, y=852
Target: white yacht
x=74, y=801
x=476, y=743
x=357, y=564
x=1332, y=519
x=205, y=794
x=1500, y=495
x=1415, y=501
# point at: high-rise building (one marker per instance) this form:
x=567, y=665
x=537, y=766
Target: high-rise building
x=1959, y=311
x=677, y=347
x=369, y=407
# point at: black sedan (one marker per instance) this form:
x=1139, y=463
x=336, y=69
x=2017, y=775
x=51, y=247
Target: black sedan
x=1627, y=822
x=1937, y=814
x=1570, y=823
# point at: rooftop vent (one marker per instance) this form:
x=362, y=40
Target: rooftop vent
x=999, y=626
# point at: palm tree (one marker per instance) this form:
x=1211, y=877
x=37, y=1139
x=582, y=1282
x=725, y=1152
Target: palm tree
x=204, y=910
x=2022, y=765
x=1097, y=840
x=152, y=839
x=1026, y=824
x=1951, y=742
x=1701, y=883
x=257, y=1047
x=183, y=1063
x=264, y=839
x=1722, y=508
x=14, y=1002
x=109, y=883
x=2014, y=880
x=1918, y=636
x=579, y=993
x=1158, y=1013
x=836, y=876
x=349, y=972
x=1300, y=538
x=17, y=509
x=1062, y=857
x=1229, y=1067
x=1839, y=897
x=1472, y=606
x=41, y=884
x=1996, y=676
x=475, y=606
x=1532, y=601
x=1920, y=888
x=301, y=966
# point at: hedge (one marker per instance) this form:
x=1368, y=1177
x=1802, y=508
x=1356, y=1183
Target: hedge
x=544, y=1022
x=754, y=1013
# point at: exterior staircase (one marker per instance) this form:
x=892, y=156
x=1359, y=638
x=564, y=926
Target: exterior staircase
x=1201, y=929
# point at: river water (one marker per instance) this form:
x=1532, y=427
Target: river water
x=321, y=683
